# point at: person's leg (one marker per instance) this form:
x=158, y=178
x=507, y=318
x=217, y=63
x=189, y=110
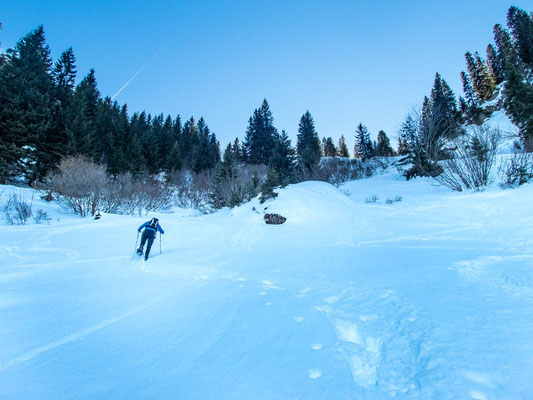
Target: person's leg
x=149, y=246
x=143, y=241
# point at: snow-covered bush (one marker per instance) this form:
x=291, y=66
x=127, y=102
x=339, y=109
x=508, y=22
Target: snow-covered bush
x=337, y=170
x=471, y=160
x=518, y=169
x=79, y=184
x=41, y=216
x=191, y=189
x=125, y=195
x=232, y=186
x=17, y=210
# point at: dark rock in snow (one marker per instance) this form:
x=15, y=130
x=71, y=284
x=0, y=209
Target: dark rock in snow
x=274, y=219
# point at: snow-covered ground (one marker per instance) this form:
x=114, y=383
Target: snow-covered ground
x=430, y=297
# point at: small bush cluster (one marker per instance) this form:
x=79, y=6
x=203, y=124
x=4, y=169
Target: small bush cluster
x=84, y=187
x=17, y=210
x=518, y=169
x=470, y=162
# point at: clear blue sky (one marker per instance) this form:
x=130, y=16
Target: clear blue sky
x=344, y=61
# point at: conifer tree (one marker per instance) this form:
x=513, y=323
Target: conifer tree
x=363, y=142
x=383, y=147
x=342, y=148
x=174, y=161
x=237, y=150
x=516, y=61
x=521, y=25
x=28, y=143
x=260, y=134
x=308, y=143
x=64, y=73
x=495, y=64
x=80, y=123
x=329, y=147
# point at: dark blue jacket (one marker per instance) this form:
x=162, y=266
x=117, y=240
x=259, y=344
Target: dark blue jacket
x=145, y=225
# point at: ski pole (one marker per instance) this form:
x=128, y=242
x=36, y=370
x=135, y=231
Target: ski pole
x=135, y=250
x=160, y=251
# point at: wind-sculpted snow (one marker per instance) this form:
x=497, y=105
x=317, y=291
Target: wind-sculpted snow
x=430, y=297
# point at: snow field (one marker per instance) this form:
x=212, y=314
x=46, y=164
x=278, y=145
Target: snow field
x=429, y=297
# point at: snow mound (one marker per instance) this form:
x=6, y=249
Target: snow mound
x=303, y=203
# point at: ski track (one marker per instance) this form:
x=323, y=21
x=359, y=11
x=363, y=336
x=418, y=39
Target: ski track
x=357, y=336
x=75, y=336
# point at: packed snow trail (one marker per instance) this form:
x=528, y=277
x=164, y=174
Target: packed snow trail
x=429, y=297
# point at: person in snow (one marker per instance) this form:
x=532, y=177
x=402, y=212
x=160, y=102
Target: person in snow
x=150, y=229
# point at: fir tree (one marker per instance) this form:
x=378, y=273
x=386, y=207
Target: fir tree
x=342, y=148
x=521, y=25
x=363, y=142
x=28, y=142
x=260, y=135
x=64, y=73
x=174, y=161
x=329, y=147
x=383, y=147
x=515, y=55
x=80, y=123
x=237, y=151
x=495, y=64
x=308, y=143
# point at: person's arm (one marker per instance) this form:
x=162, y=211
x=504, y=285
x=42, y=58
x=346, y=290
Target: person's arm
x=160, y=229
x=142, y=226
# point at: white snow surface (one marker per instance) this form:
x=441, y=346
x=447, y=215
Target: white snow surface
x=430, y=297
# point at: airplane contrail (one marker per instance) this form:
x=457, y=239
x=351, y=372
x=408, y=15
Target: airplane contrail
x=137, y=73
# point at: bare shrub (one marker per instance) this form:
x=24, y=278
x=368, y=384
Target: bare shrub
x=394, y=200
x=42, y=217
x=372, y=199
x=233, y=185
x=153, y=194
x=191, y=189
x=337, y=170
x=79, y=184
x=17, y=210
x=518, y=169
x=471, y=162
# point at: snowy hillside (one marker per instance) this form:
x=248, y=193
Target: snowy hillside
x=428, y=297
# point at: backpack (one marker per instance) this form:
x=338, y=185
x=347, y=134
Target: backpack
x=153, y=224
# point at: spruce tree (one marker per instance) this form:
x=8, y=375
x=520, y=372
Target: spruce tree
x=363, y=142
x=259, y=139
x=28, y=143
x=495, y=64
x=342, y=148
x=308, y=143
x=80, y=123
x=237, y=151
x=521, y=25
x=174, y=161
x=329, y=147
x=518, y=89
x=383, y=147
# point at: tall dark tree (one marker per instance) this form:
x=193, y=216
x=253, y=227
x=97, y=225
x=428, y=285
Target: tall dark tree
x=238, y=151
x=516, y=60
x=363, y=142
x=28, y=143
x=343, y=148
x=521, y=25
x=81, y=117
x=328, y=147
x=383, y=147
x=308, y=143
x=494, y=61
x=260, y=134
x=64, y=73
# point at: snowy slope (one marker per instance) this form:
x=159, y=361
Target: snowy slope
x=427, y=298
